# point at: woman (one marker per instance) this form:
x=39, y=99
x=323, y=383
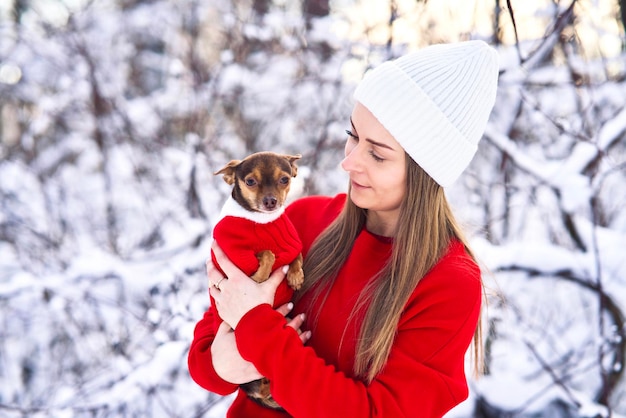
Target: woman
x=392, y=294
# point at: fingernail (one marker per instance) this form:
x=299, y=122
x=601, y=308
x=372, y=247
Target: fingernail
x=285, y=268
x=290, y=306
x=302, y=316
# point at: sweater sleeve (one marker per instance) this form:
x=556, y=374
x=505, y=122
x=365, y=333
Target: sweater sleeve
x=424, y=375
x=234, y=236
x=200, y=361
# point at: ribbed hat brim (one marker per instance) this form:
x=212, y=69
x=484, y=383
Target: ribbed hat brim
x=439, y=129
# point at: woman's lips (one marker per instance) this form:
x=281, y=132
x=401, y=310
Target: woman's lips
x=358, y=185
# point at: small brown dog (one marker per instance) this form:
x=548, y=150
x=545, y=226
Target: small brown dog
x=256, y=235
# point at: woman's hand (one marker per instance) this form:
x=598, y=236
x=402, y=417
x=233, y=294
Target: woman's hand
x=236, y=293
x=227, y=362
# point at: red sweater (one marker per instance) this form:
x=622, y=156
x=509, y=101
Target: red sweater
x=242, y=239
x=424, y=376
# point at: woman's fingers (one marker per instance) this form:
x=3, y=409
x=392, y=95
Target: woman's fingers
x=276, y=277
x=305, y=336
x=285, y=309
x=227, y=266
x=212, y=273
x=295, y=323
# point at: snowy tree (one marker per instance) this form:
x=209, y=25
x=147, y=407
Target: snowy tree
x=115, y=113
x=554, y=228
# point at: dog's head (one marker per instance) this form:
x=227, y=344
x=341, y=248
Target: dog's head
x=261, y=181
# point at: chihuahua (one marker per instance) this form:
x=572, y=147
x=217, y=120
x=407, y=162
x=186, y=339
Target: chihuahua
x=255, y=233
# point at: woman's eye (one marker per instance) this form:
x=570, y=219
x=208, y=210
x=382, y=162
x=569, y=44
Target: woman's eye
x=376, y=157
x=250, y=182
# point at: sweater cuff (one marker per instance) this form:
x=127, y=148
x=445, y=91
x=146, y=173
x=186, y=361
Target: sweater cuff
x=257, y=332
x=200, y=363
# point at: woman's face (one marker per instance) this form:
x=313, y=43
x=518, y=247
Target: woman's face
x=376, y=164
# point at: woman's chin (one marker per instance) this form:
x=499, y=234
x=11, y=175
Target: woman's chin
x=358, y=199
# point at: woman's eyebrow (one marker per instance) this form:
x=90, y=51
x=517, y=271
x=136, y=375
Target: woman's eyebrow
x=371, y=141
x=379, y=144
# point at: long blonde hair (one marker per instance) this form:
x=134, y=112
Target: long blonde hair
x=425, y=228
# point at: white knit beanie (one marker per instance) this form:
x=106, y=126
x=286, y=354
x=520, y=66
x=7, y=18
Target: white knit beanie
x=436, y=103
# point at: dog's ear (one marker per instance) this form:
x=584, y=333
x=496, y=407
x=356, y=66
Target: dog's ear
x=292, y=161
x=228, y=171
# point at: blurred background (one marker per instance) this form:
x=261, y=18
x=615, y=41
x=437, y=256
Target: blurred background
x=115, y=113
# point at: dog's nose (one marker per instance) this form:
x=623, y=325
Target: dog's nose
x=269, y=202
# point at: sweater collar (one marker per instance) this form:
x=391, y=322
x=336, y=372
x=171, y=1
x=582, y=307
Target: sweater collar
x=232, y=208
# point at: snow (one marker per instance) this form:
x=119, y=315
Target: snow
x=103, y=243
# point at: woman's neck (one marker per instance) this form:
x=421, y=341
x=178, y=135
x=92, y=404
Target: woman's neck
x=383, y=224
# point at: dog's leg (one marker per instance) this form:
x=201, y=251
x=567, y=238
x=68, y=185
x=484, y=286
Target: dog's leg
x=266, y=261
x=295, y=274
x=259, y=391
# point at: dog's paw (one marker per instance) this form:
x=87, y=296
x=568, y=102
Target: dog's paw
x=266, y=261
x=295, y=278
x=295, y=274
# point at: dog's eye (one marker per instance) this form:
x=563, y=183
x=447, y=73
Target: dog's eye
x=250, y=182
x=284, y=180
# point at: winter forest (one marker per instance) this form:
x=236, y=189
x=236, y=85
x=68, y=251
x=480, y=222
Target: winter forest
x=114, y=114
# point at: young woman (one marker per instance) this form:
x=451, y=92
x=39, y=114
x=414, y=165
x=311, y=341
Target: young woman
x=392, y=294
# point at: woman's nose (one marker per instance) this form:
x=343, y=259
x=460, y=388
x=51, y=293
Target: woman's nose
x=351, y=161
